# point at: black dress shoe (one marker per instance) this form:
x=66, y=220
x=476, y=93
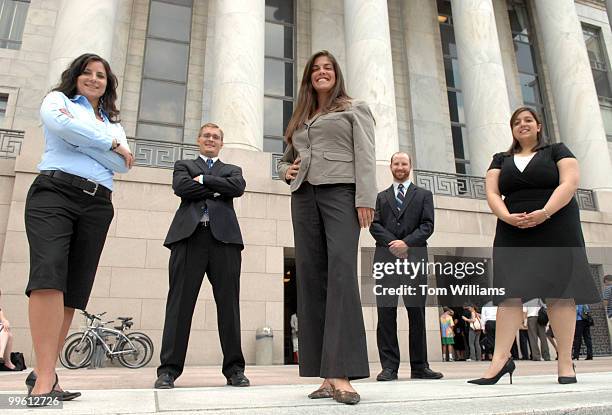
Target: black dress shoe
x=387, y=375
x=164, y=381
x=238, y=379
x=64, y=395
x=425, y=373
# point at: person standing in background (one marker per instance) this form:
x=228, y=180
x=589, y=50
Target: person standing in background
x=475, y=329
x=524, y=337
x=294, y=337
x=403, y=221
x=536, y=331
x=488, y=318
x=447, y=334
x=6, y=341
x=607, y=300
x=583, y=331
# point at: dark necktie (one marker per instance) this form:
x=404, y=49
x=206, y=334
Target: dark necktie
x=400, y=198
x=205, y=217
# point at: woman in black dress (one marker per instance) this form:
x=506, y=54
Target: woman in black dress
x=539, y=248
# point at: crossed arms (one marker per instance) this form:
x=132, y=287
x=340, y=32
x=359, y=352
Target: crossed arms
x=84, y=135
x=211, y=187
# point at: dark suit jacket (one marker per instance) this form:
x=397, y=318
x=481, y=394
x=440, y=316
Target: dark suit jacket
x=221, y=185
x=413, y=224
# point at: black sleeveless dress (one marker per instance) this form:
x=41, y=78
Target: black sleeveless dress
x=548, y=260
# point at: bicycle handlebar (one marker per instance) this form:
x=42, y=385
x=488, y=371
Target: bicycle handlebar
x=93, y=316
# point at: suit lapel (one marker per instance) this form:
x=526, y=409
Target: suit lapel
x=216, y=168
x=201, y=164
x=390, y=196
x=410, y=193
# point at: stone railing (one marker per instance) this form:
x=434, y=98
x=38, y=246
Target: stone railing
x=161, y=154
x=451, y=184
x=10, y=143
x=460, y=185
x=149, y=153
x=473, y=187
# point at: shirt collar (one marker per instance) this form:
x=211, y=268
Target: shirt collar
x=214, y=159
x=405, y=183
x=77, y=97
x=80, y=99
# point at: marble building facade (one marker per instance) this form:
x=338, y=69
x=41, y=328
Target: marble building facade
x=441, y=77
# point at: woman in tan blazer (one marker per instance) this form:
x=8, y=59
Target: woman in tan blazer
x=331, y=167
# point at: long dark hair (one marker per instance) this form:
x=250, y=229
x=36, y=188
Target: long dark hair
x=68, y=83
x=516, y=146
x=307, y=97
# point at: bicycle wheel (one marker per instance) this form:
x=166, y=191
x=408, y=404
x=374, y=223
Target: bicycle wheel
x=77, y=352
x=68, y=340
x=138, y=355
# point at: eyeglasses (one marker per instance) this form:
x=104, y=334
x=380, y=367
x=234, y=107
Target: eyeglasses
x=209, y=135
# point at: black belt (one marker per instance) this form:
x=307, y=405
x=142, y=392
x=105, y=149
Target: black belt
x=87, y=186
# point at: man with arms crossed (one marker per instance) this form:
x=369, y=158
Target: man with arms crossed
x=204, y=237
x=403, y=221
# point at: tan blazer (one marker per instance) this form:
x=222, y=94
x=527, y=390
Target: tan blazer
x=337, y=147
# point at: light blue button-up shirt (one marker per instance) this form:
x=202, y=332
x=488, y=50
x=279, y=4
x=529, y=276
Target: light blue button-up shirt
x=78, y=143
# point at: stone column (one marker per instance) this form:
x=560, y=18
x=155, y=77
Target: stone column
x=487, y=111
x=369, y=70
x=433, y=145
x=573, y=90
x=237, y=82
x=83, y=26
x=609, y=10
x=506, y=42
x=327, y=28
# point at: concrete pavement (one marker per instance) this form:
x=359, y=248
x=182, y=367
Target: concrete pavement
x=278, y=390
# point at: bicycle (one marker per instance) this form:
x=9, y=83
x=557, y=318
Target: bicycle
x=133, y=350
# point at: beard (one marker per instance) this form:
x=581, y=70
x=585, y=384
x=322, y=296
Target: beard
x=401, y=177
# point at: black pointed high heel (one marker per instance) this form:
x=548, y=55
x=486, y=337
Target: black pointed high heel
x=508, y=368
x=566, y=380
x=65, y=395
x=30, y=381
x=44, y=399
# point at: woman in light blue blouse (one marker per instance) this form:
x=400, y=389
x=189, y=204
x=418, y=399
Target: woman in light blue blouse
x=68, y=208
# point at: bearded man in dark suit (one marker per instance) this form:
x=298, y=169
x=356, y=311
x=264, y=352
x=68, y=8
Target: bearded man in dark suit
x=403, y=220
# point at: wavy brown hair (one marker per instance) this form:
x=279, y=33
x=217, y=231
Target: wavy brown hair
x=307, y=97
x=68, y=83
x=516, y=146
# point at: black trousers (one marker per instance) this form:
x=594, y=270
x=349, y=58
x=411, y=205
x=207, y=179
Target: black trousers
x=583, y=331
x=524, y=344
x=66, y=231
x=190, y=259
x=490, y=336
x=386, y=338
x=331, y=331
